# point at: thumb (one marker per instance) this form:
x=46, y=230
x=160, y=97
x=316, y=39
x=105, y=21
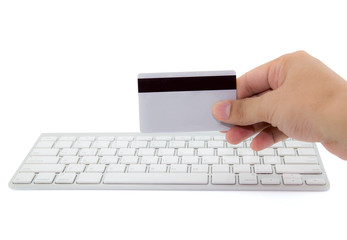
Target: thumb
x=243, y=112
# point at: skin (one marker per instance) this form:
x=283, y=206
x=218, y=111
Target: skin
x=296, y=96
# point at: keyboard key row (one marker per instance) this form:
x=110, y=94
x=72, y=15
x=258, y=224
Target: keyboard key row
x=173, y=159
x=236, y=168
x=243, y=152
x=162, y=178
x=130, y=138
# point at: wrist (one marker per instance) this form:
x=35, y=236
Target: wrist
x=334, y=122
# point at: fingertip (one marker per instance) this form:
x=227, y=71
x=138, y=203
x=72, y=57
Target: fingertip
x=221, y=110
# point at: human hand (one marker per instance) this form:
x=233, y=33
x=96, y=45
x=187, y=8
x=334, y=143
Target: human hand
x=295, y=96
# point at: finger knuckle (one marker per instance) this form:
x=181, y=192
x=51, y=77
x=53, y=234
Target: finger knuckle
x=237, y=111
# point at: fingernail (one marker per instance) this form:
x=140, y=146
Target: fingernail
x=222, y=110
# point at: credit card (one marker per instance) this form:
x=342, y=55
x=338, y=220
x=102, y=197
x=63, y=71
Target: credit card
x=182, y=101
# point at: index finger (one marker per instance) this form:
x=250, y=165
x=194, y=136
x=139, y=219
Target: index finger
x=260, y=79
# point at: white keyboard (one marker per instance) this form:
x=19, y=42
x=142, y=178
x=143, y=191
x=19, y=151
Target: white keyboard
x=179, y=161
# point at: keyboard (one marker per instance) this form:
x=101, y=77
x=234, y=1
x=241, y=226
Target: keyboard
x=175, y=161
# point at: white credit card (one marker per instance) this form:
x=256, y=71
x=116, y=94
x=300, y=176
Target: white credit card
x=182, y=102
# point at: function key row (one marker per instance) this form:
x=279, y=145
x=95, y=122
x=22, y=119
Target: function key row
x=130, y=138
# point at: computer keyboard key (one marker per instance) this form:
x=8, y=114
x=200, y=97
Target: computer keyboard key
x=125, y=138
x=157, y=168
x=315, y=181
x=196, y=144
x=158, y=144
x=146, y=152
x=89, y=159
x=304, y=169
x=300, y=160
x=44, y=144
x=199, y=168
x=42, y=159
x=63, y=144
x=298, y=144
x=242, y=168
x=223, y=179
x=169, y=160
x=129, y=159
x=88, y=152
x=178, y=168
x=202, y=138
x=230, y=160
x=68, y=152
x=277, y=145
x=220, y=168
x=220, y=137
x=107, y=152
x=126, y=151
x=177, y=144
x=245, y=152
x=75, y=168
x=37, y=168
x=119, y=144
x=49, y=138
x=149, y=160
x=266, y=152
x=225, y=151
x=166, y=151
x=163, y=138
x=89, y=178
x=248, y=179
x=251, y=160
x=100, y=144
x=134, y=168
x=286, y=151
x=116, y=168
x=306, y=152
x=144, y=138
x=205, y=152
x=209, y=160
x=82, y=144
x=67, y=138
x=65, y=178
x=266, y=168
x=23, y=178
x=215, y=144
x=272, y=160
x=108, y=160
x=239, y=145
x=44, y=178
x=95, y=168
x=185, y=152
x=183, y=138
x=190, y=159
x=156, y=178
x=69, y=160
x=139, y=144
x=271, y=181
x=44, y=152
x=292, y=179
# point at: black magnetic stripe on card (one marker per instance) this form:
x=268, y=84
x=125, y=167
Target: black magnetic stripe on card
x=175, y=84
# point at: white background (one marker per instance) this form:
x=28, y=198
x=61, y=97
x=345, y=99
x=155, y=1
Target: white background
x=71, y=66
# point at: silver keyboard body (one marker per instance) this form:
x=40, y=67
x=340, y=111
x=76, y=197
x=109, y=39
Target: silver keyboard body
x=167, y=161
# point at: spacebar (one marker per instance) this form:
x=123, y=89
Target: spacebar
x=156, y=178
